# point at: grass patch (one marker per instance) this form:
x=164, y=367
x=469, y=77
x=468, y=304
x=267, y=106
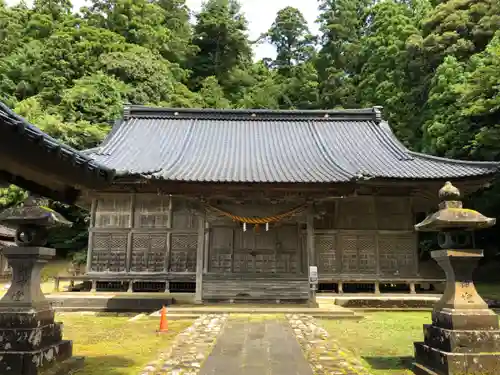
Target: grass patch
x=384, y=340
x=112, y=345
x=489, y=291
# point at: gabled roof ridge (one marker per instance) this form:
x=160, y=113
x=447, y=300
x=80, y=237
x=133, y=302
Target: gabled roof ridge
x=365, y=114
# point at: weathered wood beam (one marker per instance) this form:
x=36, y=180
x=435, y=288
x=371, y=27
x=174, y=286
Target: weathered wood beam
x=169, y=234
x=311, y=250
x=130, y=236
x=200, y=250
x=91, y=235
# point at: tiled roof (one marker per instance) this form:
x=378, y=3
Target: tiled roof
x=10, y=121
x=268, y=146
x=39, y=163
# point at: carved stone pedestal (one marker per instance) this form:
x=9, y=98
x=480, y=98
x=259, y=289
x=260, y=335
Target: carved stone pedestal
x=464, y=338
x=30, y=340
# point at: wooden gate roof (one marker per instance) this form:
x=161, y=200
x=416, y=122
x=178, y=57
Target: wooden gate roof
x=39, y=163
x=268, y=146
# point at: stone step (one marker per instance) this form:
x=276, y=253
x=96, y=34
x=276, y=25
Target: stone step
x=214, y=309
x=388, y=302
x=331, y=314
x=156, y=315
x=108, y=303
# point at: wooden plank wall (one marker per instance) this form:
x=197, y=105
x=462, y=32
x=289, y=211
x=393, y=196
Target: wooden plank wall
x=277, y=251
x=142, y=234
x=354, y=237
x=254, y=288
x=367, y=237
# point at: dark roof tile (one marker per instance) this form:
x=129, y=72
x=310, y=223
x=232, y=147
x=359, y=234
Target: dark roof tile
x=10, y=121
x=268, y=146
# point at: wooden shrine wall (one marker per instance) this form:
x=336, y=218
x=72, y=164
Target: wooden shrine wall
x=142, y=233
x=361, y=236
x=233, y=250
x=366, y=237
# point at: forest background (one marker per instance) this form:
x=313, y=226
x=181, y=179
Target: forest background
x=433, y=65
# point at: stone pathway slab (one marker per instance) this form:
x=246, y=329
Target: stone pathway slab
x=248, y=347
x=189, y=349
x=326, y=356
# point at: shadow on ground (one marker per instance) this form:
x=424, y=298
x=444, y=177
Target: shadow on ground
x=108, y=365
x=390, y=363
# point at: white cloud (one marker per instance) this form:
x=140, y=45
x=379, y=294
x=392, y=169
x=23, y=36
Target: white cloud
x=260, y=15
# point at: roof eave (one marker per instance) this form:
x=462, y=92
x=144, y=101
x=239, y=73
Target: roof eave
x=34, y=136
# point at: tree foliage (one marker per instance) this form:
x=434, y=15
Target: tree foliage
x=433, y=65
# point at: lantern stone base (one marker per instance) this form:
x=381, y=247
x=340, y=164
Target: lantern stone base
x=464, y=337
x=458, y=352
x=30, y=340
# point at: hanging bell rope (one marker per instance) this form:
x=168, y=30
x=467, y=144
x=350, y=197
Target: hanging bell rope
x=263, y=220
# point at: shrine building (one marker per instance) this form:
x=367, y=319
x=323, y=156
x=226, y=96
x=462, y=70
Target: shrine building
x=238, y=204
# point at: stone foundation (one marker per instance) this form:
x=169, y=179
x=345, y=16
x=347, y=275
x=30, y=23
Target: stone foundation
x=464, y=337
x=30, y=339
x=432, y=361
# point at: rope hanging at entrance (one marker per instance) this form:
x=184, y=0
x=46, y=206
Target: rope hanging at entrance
x=259, y=221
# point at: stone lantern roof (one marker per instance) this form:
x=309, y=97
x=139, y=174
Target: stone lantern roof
x=452, y=215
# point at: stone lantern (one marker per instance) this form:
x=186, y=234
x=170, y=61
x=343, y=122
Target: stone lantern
x=464, y=337
x=30, y=340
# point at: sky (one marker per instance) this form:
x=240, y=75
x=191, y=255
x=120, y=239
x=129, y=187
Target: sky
x=260, y=15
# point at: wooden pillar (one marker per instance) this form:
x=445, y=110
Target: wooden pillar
x=377, y=287
x=376, y=244
x=200, y=250
x=206, y=257
x=412, y=288
x=311, y=253
x=413, y=213
x=93, y=209
x=166, y=266
x=130, y=238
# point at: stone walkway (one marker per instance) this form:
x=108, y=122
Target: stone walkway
x=189, y=349
x=255, y=345
x=324, y=354
x=248, y=347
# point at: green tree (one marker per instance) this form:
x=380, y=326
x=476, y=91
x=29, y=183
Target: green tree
x=80, y=134
x=149, y=77
x=299, y=88
x=464, y=106
x=13, y=22
x=342, y=24
x=213, y=94
x=220, y=36
x=291, y=36
x=389, y=72
x=96, y=98
x=459, y=28
x=442, y=129
x=57, y=9
x=480, y=101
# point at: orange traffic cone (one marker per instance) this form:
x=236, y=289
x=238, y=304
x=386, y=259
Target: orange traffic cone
x=163, y=320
